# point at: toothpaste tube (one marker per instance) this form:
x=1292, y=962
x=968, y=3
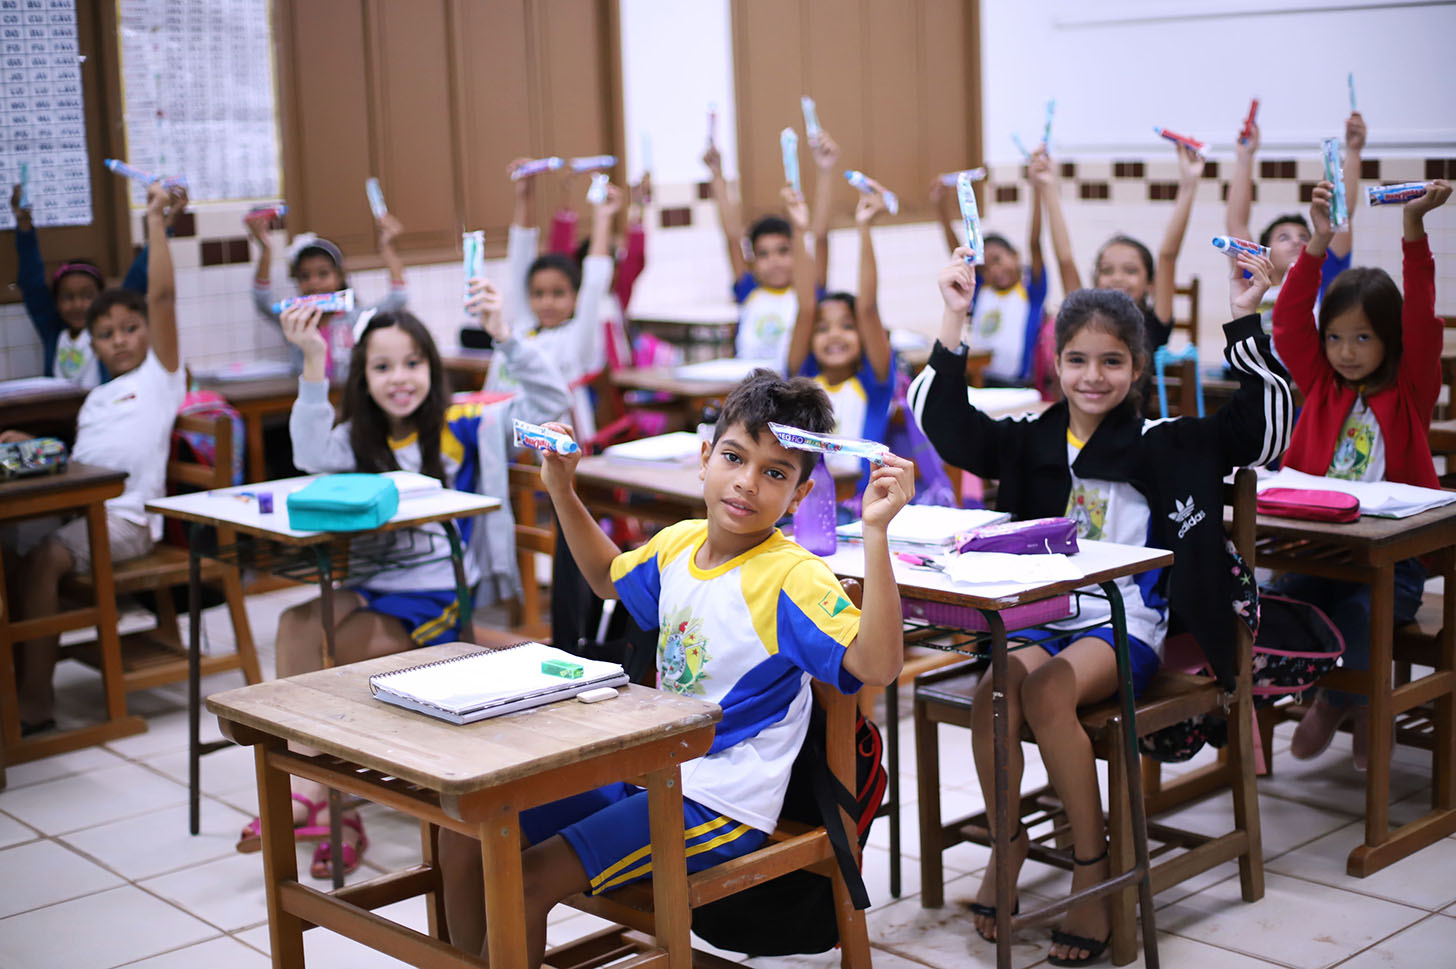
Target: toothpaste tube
x=473, y=243
x=811, y=118
x=1350, y=78
x=1335, y=175
x=1016, y=139
x=972, y=214
x=1233, y=246
x=340, y=302
x=712, y=123
x=1193, y=144
x=174, y=181
x=376, y=198
x=789, y=142
x=146, y=178
x=646, y=152
x=537, y=437
x=1248, y=131
x=24, y=202
x=949, y=178
x=1046, y=132
x=862, y=182
x=535, y=167
x=803, y=440
x=267, y=212
x=1038, y=536
x=1394, y=194
x=592, y=163
x=596, y=192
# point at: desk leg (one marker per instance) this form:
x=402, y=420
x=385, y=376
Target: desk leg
x=671, y=914
x=505, y=898
x=1001, y=789
x=253, y=428
x=107, y=638
x=462, y=588
x=1377, y=777
x=9, y=689
x=280, y=861
x=892, y=730
x=194, y=681
x=1131, y=763
x=326, y=619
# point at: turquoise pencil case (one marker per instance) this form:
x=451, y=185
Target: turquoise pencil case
x=343, y=503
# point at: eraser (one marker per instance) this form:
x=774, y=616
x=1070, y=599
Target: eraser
x=265, y=502
x=599, y=694
x=561, y=668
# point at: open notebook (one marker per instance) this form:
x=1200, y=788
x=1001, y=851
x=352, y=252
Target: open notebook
x=467, y=688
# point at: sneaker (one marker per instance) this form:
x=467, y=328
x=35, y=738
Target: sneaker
x=1314, y=733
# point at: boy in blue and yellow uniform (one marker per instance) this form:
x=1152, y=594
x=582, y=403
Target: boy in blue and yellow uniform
x=745, y=618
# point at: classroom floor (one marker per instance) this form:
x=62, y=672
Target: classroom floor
x=97, y=871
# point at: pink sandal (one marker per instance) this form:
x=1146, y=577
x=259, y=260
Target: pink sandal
x=309, y=829
x=320, y=866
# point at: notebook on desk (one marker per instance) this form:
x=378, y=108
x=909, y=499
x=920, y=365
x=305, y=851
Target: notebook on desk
x=476, y=686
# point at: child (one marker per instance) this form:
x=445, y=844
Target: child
x=398, y=415
x=124, y=424
x=1092, y=457
x=555, y=304
x=841, y=342
x=1370, y=374
x=317, y=266
x=58, y=310
x=768, y=306
x=747, y=617
x=1287, y=235
x=1123, y=263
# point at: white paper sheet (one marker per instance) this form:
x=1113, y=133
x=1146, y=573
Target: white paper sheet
x=979, y=568
x=1383, y=499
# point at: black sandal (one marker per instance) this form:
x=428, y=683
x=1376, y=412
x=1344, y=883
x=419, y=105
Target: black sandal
x=989, y=911
x=1095, y=947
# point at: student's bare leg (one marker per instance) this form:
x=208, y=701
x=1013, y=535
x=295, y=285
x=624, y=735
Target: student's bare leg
x=1084, y=672
x=40, y=583
x=983, y=746
x=462, y=874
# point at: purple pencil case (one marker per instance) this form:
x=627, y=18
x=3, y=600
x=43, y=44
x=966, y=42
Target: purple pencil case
x=1038, y=536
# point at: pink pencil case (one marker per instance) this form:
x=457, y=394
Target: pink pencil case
x=1038, y=536
x=966, y=617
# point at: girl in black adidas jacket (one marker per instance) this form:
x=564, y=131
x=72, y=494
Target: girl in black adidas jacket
x=1092, y=457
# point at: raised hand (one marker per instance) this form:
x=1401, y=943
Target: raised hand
x=22, y=216
x=957, y=281
x=1355, y=132
x=868, y=207
x=825, y=150
x=891, y=487
x=1190, y=164
x=1246, y=294
x=798, y=208
x=558, y=471
x=389, y=229
x=487, y=303
x=301, y=328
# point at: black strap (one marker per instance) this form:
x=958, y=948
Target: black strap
x=829, y=793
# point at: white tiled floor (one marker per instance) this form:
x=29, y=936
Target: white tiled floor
x=96, y=870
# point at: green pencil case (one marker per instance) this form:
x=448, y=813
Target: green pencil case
x=343, y=503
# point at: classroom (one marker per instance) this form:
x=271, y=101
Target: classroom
x=767, y=483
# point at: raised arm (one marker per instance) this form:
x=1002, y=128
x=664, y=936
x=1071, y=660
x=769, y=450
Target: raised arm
x=634, y=256
x=523, y=212
x=826, y=159
x=877, y=654
x=1033, y=235
x=1241, y=187
x=161, y=281
x=389, y=230
x=590, y=547
x=1165, y=281
x=1421, y=329
x=30, y=271
x=729, y=215
x=942, y=199
x=1043, y=174
x=263, y=273
x=1344, y=240
x=803, y=335
x=1295, y=335
x=875, y=342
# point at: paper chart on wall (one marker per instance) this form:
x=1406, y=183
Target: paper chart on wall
x=197, y=82
x=42, y=120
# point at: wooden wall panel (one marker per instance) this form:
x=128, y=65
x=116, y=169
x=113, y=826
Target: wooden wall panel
x=768, y=42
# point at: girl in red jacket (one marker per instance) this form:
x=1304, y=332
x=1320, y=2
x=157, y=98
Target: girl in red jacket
x=1370, y=372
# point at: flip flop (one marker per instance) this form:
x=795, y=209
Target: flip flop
x=309, y=829
x=321, y=868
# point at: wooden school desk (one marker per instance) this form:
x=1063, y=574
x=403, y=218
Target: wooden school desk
x=473, y=778
x=689, y=397
x=257, y=400
x=40, y=405
x=1367, y=551
x=80, y=488
x=703, y=331
x=466, y=368
x=1102, y=563
x=305, y=557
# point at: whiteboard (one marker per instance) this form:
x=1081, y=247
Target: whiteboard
x=42, y=117
x=198, y=96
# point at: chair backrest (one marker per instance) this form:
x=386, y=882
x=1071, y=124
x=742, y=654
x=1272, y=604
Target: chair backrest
x=195, y=473
x=1189, y=322
x=531, y=537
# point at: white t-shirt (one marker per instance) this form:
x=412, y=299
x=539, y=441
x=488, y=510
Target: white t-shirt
x=999, y=325
x=1115, y=511
x=765, y=323
x=1360, y=452
x=126, y=424
x=76, y=361
x=850, y=405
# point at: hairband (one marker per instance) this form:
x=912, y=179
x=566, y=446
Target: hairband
x=77, y=267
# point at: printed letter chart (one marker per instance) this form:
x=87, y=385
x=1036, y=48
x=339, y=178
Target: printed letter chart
x=43, y=125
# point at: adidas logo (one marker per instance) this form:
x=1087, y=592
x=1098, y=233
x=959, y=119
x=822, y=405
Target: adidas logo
x=1185, y=514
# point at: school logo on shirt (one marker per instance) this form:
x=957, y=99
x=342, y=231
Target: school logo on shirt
x=1352, y=455
x=770, y=329
x=1088, y=508
x=682, y=653
x=69, y=361
x=832, y=604
x=991, y=322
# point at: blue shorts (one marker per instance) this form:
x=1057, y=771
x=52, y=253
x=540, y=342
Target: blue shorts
x=431, y=615
x=1143, y=657
x=609, y=831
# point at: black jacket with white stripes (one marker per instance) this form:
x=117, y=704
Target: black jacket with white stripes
x=1177, y=464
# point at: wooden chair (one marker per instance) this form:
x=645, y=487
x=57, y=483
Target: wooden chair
x=1188, y=323
x=791, y=847
x=945, y=696
x=158, y=656
x=530, y=615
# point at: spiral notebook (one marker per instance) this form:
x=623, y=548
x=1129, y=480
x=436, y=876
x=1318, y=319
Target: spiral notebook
x=464, y=689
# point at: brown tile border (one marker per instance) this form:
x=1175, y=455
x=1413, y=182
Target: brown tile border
x=675, y=217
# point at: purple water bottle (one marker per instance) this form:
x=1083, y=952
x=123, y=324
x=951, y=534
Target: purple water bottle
x=814, y=519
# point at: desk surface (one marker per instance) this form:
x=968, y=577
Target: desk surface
x=220, y=508
x=333, y=711
x=700, y=314
x=76, y=475
x=263, y=390
x=664, y=380
x=1099, y=562
x=1366, y=531
x=34, y=400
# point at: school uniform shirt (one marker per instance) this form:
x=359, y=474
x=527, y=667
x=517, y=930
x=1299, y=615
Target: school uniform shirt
x=1360, y=451
x=1007, y=322
x=747, y=635
x=75, y=361
x=861, y=409
x=475, y=450
x=1332, y=266
x=765, y=322
x=338, y=328
x=1176, y=465
x=1402, y=409
x=126, y=424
